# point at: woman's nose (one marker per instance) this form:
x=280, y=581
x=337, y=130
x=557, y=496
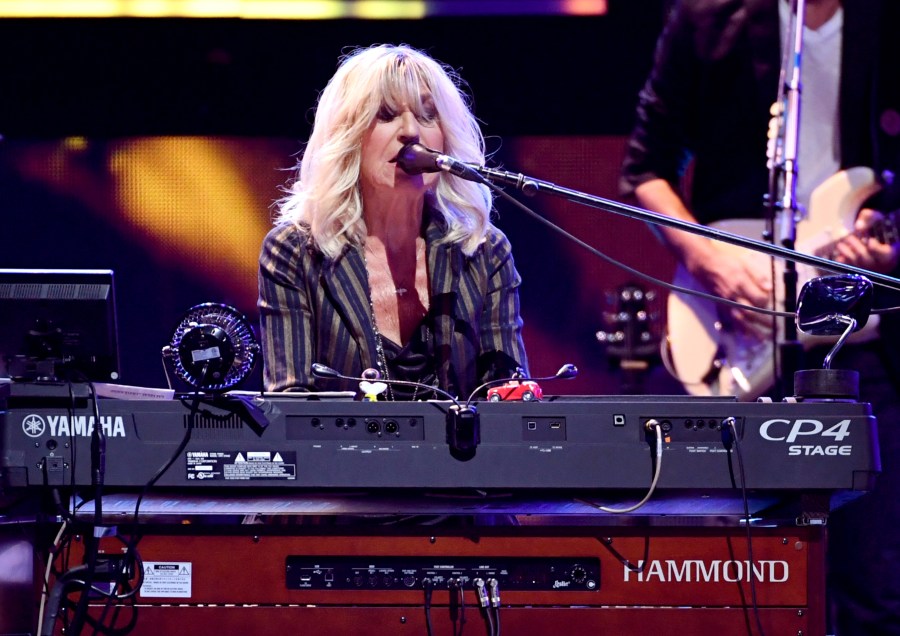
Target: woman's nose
x=409, y=126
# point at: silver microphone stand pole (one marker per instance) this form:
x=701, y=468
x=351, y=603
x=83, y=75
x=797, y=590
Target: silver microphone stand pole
x=782, y=196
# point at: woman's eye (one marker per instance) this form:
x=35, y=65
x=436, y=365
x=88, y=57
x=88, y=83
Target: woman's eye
x=386, y=113
x=424, y=115
x=427, y=116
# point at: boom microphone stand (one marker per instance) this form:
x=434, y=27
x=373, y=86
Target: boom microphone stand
x=531, y=186
x=415, y=158
x=782, y=197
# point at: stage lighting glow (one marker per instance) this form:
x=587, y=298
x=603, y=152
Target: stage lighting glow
x=293, y=9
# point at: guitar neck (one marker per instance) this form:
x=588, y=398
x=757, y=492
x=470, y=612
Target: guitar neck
x=887, y=231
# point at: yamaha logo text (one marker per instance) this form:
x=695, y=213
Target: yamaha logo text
x=34, y=425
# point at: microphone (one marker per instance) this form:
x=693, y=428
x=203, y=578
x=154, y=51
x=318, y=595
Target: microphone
x=414, y=158
x=463, y=423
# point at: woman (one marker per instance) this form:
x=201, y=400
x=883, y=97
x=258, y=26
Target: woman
x=369, y=267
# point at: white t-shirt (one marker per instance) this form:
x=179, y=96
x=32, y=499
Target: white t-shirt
x=819, y=152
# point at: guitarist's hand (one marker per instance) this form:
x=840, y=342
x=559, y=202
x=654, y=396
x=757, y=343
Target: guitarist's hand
x=863, y=250
x=716, y=269
x=735, y=279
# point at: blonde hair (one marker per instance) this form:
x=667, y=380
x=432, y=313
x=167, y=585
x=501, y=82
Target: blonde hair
x=324, y=198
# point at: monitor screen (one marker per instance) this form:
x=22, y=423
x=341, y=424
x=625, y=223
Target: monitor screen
x=58, y=324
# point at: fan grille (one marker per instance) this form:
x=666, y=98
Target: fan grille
x=213, y=347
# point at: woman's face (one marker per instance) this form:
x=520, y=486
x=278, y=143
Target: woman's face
x=395, y=126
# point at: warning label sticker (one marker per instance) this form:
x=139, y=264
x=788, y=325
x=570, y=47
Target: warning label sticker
x=241, y=465
x=166, y=579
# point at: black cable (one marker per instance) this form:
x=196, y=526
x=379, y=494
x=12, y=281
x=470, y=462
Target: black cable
x=485, y=604
x=92, y=540
x=91, y=552
x=428, y=587
x=631, y=270
x=728, y=439
x=72, y=450
x=111, y=630
x=192, y=414
x=112, y=601
x=48, y=591
x=731, y=470
x=194, y=408
x=69, y=579
x=55, y=599
x=136, y=570
x=494, y=591
x=131, y=551
x=647, y=277
x=453, y=587
x=461, y=591
x=731, y=424
x=489, y=616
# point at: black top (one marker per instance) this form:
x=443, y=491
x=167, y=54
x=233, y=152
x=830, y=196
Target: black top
x=413, y=363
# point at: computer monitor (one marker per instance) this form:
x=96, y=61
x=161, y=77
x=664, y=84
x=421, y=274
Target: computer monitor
x=58, y=324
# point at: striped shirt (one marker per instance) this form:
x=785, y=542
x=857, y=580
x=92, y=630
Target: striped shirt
x=316, y=309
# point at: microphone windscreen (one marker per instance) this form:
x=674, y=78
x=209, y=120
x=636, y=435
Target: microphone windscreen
x=415, y=158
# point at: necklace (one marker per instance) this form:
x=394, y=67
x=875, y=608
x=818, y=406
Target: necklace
x=380, y=357
x=384, y=271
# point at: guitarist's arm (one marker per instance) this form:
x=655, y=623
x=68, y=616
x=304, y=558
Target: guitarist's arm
x=721, y=273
